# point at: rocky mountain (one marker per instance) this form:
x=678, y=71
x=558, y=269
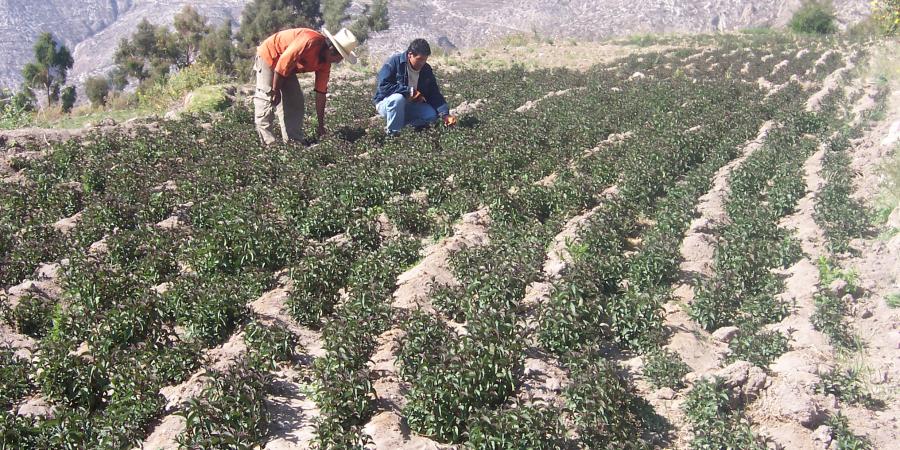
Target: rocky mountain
x=93, y=28
x=464, y=23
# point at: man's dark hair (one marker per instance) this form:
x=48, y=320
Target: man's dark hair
x=419, y=47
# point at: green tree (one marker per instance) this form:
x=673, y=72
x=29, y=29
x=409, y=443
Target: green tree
x=334, y=13
x=261, y=18
x=97, y=90
x=150, y=53
x=814, y=17
x=374, y=18
x=191, y=28
x=217, y=49
x=378, y=17
x=51, y=64
x=68, y=98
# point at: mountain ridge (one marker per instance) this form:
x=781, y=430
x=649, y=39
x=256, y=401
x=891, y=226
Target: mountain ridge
x=93, y=28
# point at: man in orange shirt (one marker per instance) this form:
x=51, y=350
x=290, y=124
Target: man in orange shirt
x=278, y=59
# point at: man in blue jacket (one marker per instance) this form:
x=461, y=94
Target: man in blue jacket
x=407, y=92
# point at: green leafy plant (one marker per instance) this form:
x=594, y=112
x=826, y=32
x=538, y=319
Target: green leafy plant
x=848, y=387
x=525, y=427
x=664, y=368
x=230, y=413
x=814, y=17
x=269, y=344
x=759, y=347
x=844, y=436
x=713, y=420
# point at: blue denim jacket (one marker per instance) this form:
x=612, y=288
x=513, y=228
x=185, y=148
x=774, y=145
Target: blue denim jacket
x=393, y=79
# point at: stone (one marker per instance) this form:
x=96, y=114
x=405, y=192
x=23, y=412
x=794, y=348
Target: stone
x=36, y=407
x=744, y=379
x=726, y=334
x=795, y=403
x=838, y=287
x=866, y=314
x=48, y=271
x=823, y=434
x=665, y=393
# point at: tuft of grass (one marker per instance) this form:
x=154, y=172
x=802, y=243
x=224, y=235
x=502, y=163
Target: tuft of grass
x=846, y=440
x=208, y=99
x=848, y=386
x=893, y=300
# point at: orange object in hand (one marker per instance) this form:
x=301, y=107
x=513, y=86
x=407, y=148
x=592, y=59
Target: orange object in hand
x=450, y=120
x=417, y=97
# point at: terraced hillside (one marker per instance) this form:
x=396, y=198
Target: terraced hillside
x=669, y=250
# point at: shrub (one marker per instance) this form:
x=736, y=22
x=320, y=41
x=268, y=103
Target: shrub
x=714, y=423
x=814, y=17
x=169, y=90
x=97, y=90
x=68, y=98
x=843, y=435
x=33, y=315
x=665, y=369
x=231, y=412
x=886, y=13
x=525, y=427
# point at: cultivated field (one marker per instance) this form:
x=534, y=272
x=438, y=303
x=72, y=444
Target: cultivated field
x=672, y=250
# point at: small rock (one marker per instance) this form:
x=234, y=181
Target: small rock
x=726, y=334
x=838, y=287
x=665, y=393
x=553, y=385
x=702, y=225
x=83, y=350
x=823, y=434
x=36, y=407
x=866, y=314
x=744, y=379
x=161, y=288
x=48, y=271
x=795, y=403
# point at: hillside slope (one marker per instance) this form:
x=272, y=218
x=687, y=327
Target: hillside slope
x=93, y=28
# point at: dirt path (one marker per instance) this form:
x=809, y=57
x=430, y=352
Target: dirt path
x=388, y=428
x=875, y=262
x=544, y=377
x=789, y=410
x=222, y=359
x=292, y=411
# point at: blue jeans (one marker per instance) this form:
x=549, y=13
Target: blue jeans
x=400, y=112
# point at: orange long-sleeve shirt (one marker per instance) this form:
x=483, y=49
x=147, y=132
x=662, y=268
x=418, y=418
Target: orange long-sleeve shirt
x=297, y=50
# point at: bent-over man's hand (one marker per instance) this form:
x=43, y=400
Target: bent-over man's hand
x=275, y=97
x=417, y=97
x=449, y=120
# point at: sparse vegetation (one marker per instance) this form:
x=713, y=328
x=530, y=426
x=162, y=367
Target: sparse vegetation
x=814, y=17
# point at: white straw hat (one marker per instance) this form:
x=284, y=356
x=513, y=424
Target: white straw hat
x=344, y=41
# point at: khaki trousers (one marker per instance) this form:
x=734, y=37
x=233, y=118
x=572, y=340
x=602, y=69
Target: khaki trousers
x=289, y=111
